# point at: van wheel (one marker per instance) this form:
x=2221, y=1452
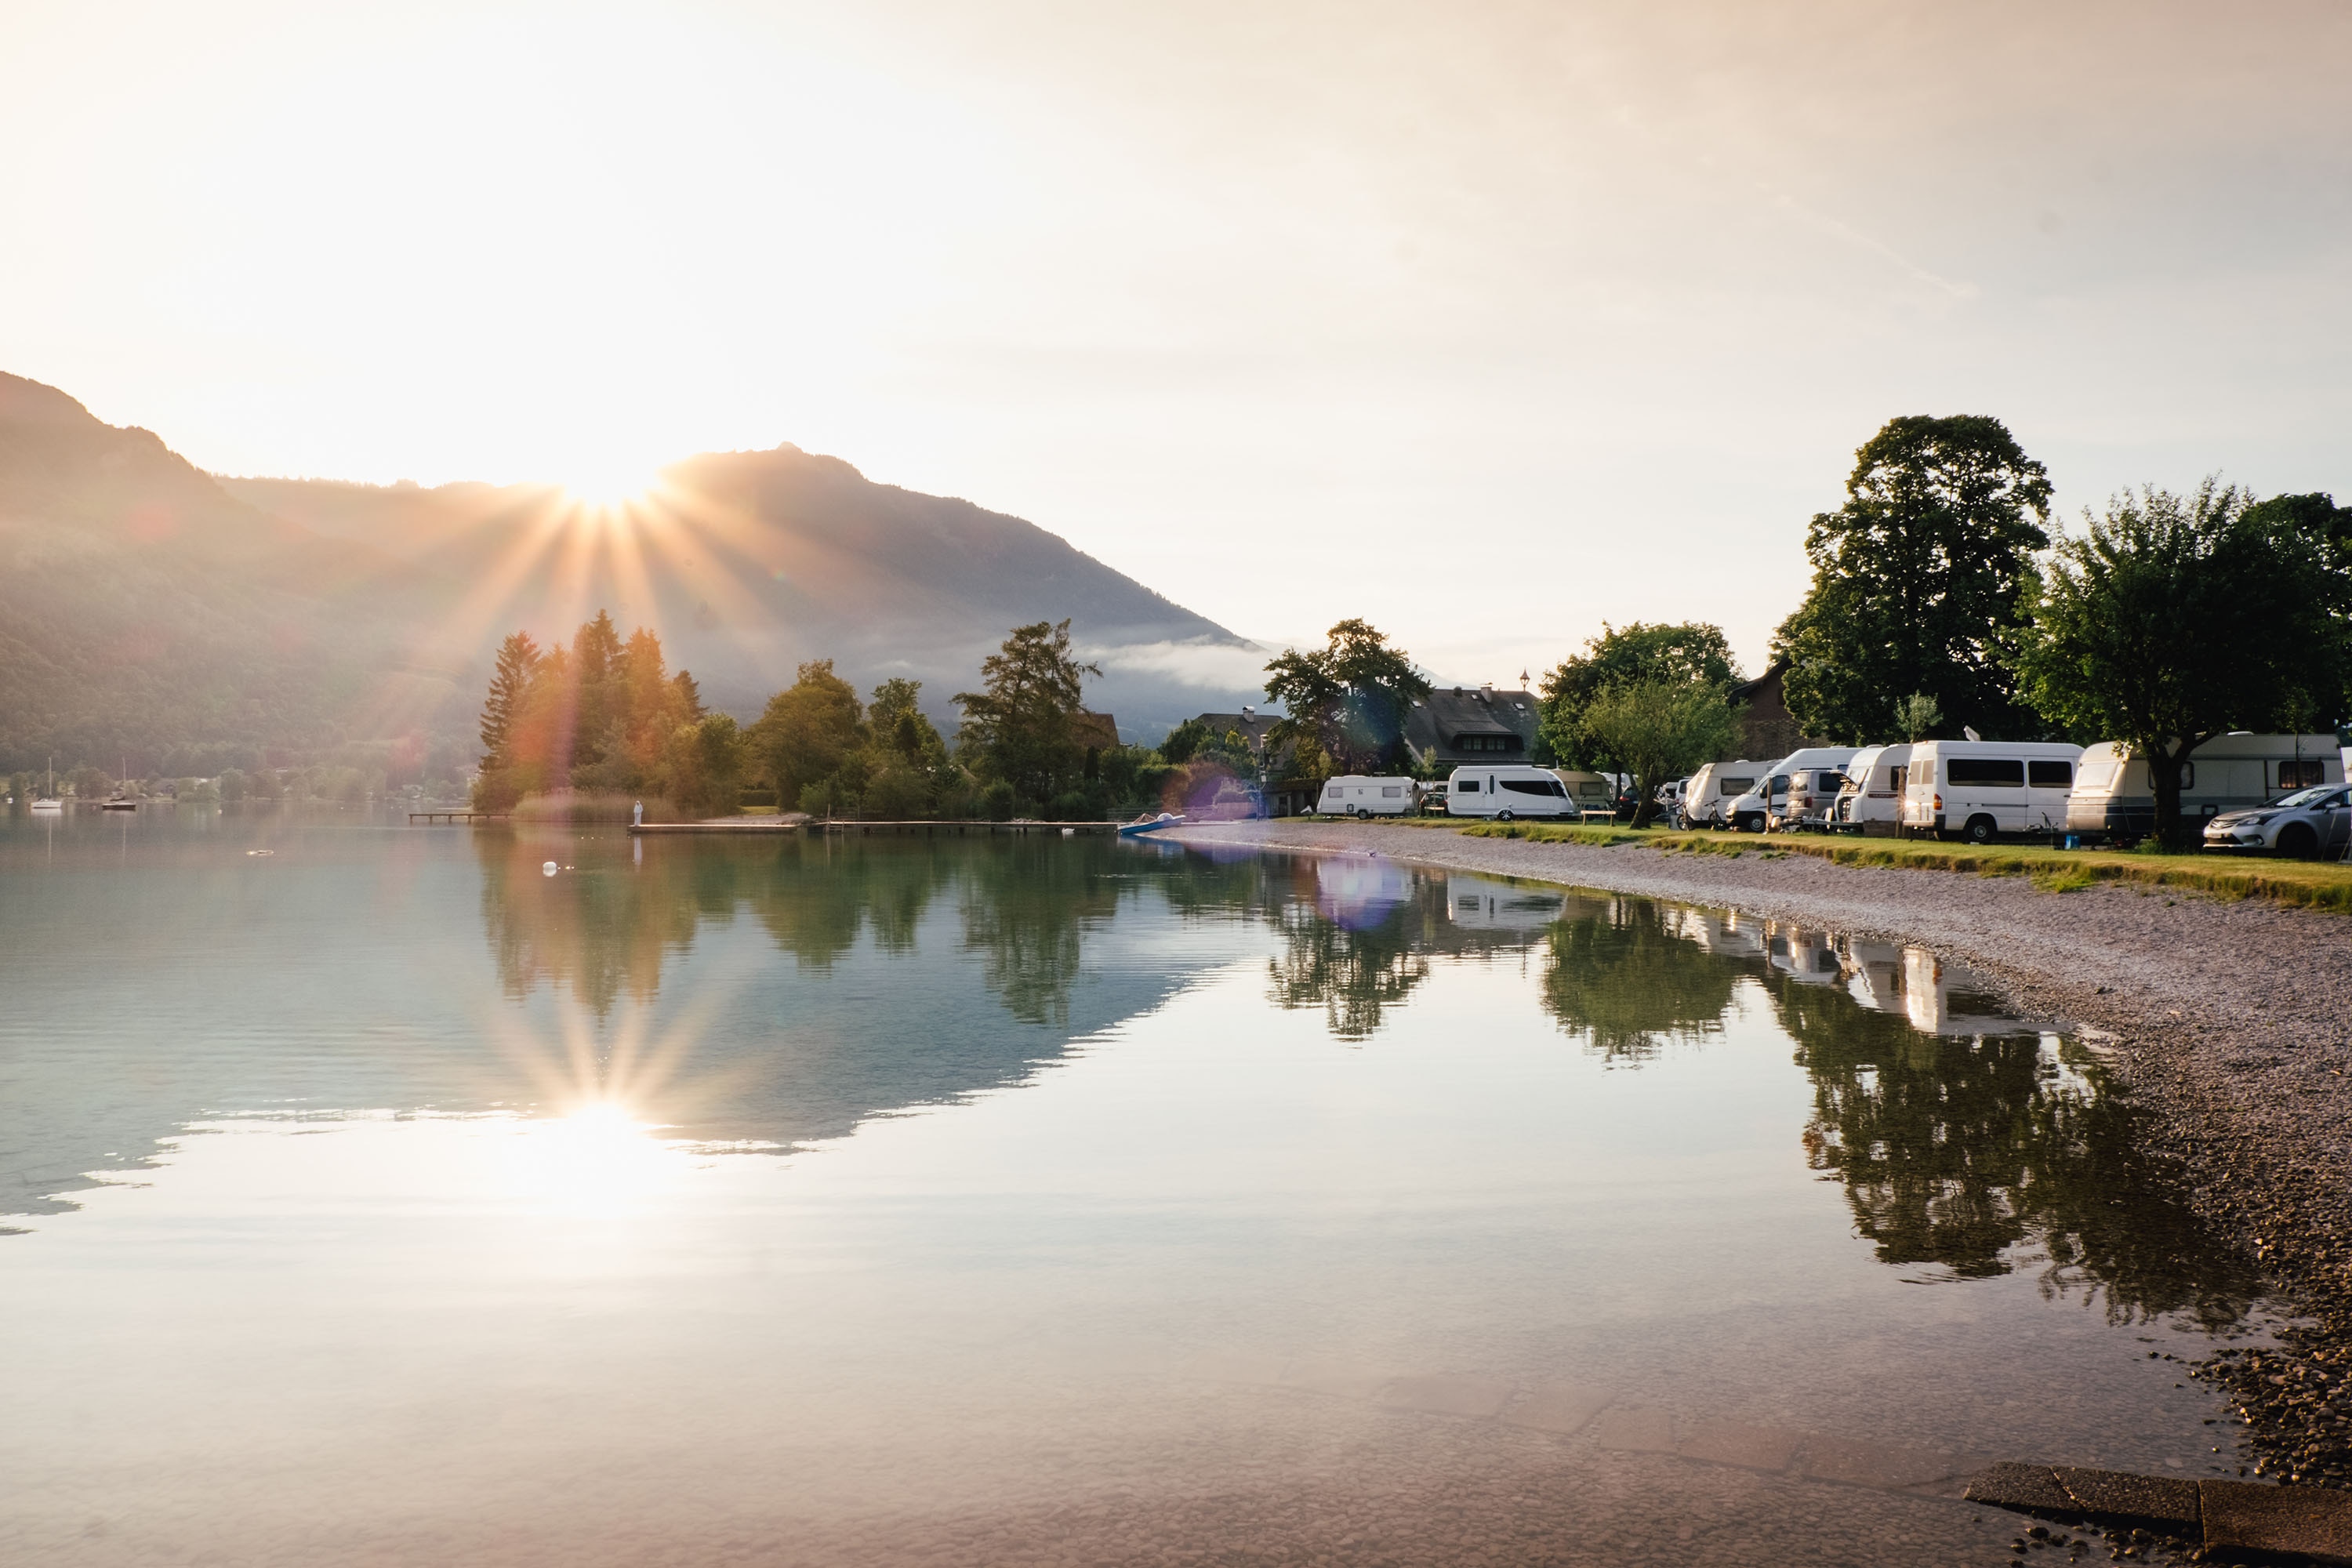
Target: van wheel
x=1980, y=830
x=2298, y=842
x=1503, y=815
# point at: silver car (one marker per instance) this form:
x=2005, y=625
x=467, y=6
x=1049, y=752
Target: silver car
x=2307, y=824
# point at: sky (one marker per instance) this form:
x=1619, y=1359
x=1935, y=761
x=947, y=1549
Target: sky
x=1488, y=322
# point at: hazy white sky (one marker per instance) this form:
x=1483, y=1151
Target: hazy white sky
x=1489, y=322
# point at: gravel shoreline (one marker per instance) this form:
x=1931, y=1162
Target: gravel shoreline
x=2231, y=1024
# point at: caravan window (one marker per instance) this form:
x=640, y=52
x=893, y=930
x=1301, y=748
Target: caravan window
x=1899, y=779
x=2301, y=774
x=1533, y=786
x=1390, y=792
x=1468, y=786
x=1995, y=772
x=2050, y=775
x=1736, y=786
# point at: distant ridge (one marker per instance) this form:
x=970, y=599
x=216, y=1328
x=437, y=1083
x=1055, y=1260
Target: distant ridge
x=146, y=606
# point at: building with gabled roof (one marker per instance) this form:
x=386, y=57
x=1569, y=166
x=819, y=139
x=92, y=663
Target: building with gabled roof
x=1461, y=726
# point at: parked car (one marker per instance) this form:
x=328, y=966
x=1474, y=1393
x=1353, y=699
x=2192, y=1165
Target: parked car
x=1365, y=795
x=2305, y=824
x=1872, y=800
x=2114, y=799
x=1979, y=790
x=1708, y=796
x=1507, y=789
x=1433, y=797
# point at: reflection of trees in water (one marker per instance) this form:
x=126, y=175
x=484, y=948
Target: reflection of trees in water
x=1025, y=911
x=597, y=934
x=1958, y=1150
x=1355, y=976
x=1616, y=972
x=606, y=928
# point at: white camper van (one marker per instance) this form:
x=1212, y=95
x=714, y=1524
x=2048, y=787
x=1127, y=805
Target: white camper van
x=1507, y=789
x=2113, y=798
x=1814, y=776
x=1707, y=797
x=1799, y=788
x=1871, y=802
x=1363, y=795
x=1979, y=790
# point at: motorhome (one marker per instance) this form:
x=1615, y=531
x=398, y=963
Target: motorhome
x=1979, y=790
x=2114, y=800
x=1709, y=795
x=1872, y=800
x=1508, y=790
x=1798, y=789
x=1365, y=795
x=1814, y=775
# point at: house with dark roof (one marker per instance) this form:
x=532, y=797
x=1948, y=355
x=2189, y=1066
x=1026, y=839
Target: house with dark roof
x=1764, y=727
x=1095, y=731
x=1459, y=726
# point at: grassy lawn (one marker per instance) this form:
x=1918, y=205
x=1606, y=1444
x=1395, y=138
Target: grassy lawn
x=2314, y=884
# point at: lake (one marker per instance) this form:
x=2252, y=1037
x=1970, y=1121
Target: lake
x=377, y=1195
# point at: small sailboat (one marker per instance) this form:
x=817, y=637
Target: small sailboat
x=1143, y=825
x=49, y=802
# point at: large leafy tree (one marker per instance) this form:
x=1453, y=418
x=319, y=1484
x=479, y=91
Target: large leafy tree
x=1349, y=699
x=2317, y=518
x=1916, y=581
x=1021, y=727
x=1659, y=730
x=807, y=730
x=2174, y=619
x=1686, y=653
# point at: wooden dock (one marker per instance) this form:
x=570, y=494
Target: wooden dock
x=430, y=817
x=942, y=829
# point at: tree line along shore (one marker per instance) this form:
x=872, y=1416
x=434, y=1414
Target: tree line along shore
x=1942, y=603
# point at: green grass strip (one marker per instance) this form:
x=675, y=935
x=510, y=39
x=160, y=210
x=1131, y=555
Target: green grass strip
x=2318, y=884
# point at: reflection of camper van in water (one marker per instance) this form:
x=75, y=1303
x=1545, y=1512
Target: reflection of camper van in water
x=1359, y=892
x=2114, y=797
x=1477, y=904
x=1911, y=983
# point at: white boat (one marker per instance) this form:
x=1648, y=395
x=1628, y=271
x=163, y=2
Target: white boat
x=49, y=802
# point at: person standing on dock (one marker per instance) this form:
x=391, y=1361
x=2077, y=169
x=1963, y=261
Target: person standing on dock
x=637, y=818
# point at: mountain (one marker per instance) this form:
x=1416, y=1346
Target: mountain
x=149, y=608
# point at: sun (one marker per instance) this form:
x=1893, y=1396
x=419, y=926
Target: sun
x=609, y=487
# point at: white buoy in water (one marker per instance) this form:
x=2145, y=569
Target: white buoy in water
x=549, y=869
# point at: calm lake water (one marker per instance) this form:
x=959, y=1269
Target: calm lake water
x=375, y=1196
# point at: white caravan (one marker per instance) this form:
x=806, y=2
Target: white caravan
x=2114, y=799
x=1872, y=800
x=1979, y=790
x=1507, y=790
x=1365, y=795
x=1709, y=795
